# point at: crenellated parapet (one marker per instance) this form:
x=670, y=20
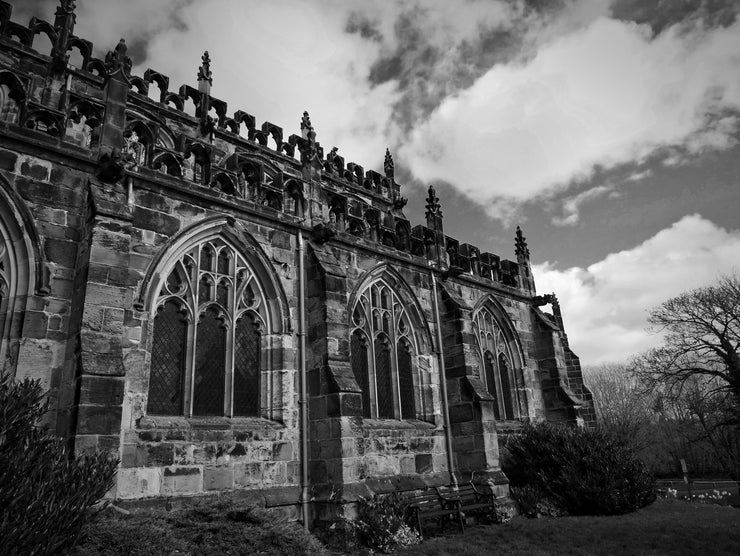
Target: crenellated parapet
x=136, y=126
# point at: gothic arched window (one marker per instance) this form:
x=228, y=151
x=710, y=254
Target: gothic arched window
x=496, y=357
x=383, y=353
x=209, y=319
x=6, y=279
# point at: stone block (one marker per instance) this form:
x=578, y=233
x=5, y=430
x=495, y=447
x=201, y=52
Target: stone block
x=160, y=454
x=138, y=482
x=156, y=221
x=247, y=474
x=182, y=480
x=101, y=390
x=105, y=296
x=63, y=253
x=67, y=177
x=36, y=324
x=461, y=413
x=423, y=463
x=8, y=160
x=96, y=419
x=282, y=451
x=218, y=478
x=36, y=169
x=133, y=455
x=408, y=465
x=113, y=322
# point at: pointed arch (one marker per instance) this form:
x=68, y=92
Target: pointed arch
x=388, y=334
x=218, y=311
x=23, y=271
x=12, y=98
x=422, y=334
x=501, y=357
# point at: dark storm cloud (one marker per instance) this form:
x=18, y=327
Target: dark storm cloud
x=364, y=26
x=426, y=70
x=137, y=27
x=24, y=11
x=661, y=14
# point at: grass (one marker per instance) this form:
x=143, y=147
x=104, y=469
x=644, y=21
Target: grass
x=664, y=527
x=228, y=527
x=199, y=528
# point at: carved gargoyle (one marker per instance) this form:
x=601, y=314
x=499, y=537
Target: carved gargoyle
x=399, y=203
x=117, y=60
x=111, y=167
x=322, y=233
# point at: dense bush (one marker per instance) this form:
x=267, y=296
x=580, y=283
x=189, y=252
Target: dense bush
x=45, y=495
x=582, y=471
x=205, y=527
x=533, y=502
x=380, y=524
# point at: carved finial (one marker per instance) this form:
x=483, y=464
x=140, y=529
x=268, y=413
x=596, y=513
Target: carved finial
x=311, y=152
x=520, y=244
x=64, y=25
x=67, y=6
x=117, y=60
x=388, y=165
x=306, y=126
x=205, y=79
x=433, y=207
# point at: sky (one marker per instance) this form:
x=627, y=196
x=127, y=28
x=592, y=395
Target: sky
x=609, y=130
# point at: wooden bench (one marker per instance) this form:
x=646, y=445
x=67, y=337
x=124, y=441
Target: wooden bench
x=430, y=505
x=471, y=500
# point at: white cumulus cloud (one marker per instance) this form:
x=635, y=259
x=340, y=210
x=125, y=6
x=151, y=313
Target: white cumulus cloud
x=605, y=94
x=605, y=305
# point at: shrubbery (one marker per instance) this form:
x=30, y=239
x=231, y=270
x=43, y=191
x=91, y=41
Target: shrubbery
x=204, y=527
x=580, y=471
x=45, y=495
x=380, y=524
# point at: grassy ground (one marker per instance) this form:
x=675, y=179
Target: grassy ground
x=662, y=528
x=206, y=529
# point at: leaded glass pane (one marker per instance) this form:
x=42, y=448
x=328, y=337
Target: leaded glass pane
x=204, y=290
x=503, y=368
x=168, y=361
x=383, y=378
x=360, y=369
x=491, y=382
x=210, y=360
x=247, y=368
x=223, y=262
x=222, y=294
x=206, y=258
x=406, y=382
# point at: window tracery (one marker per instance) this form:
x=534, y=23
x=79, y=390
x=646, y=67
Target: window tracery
x=210, y=317
x=10, y=108
x=496, y=363
x=383, y=353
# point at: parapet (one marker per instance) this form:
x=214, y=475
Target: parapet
x=187, y=137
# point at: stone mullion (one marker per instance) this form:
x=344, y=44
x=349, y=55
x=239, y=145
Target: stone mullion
x=499, y=387
x=192, y=355
x=373, y=384
x=395, y=378
x=230, y=343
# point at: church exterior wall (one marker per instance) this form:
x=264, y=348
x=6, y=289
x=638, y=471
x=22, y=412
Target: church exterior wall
x=145, y=249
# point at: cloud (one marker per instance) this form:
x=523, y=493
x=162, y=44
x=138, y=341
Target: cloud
x=605, y=306
x=605, y=94
x=572, y=205
x=271, y=59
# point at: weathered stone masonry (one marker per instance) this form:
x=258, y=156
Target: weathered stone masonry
x=149, y=277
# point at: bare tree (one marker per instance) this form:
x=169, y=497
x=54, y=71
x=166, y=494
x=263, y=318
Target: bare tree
x=621, y=405
x=699, y=361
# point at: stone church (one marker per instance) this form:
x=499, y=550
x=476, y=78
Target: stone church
x=223, y=306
